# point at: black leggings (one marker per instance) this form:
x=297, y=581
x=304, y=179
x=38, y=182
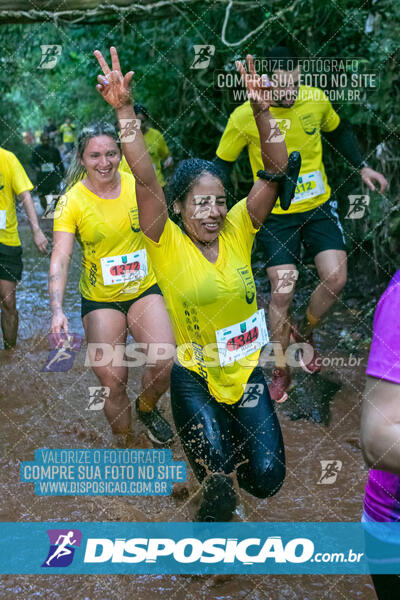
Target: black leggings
x=221, y=436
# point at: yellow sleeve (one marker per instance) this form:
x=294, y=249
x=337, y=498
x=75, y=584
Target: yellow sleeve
x=330, y=119
x=239, y=224
x=66, y=214
x=232, y=142
x=163, y=252
x=20, y=181
x=163, y=150
x=61, y=128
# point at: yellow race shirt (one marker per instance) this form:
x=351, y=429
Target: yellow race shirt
x=115, y=266
x=68, y=132
x=203, y=298
x=13, y=181
x=300, y=125
x=158, y=150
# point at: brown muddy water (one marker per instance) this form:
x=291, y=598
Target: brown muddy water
x=320, y=421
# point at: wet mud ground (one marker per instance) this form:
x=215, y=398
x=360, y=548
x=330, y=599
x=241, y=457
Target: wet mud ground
x=320, y=421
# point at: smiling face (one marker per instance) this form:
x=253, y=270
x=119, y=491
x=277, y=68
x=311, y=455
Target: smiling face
x=204, y=209
x=101, y=159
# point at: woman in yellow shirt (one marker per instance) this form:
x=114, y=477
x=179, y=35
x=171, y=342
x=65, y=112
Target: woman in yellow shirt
x=118, y=285
x=220, y=401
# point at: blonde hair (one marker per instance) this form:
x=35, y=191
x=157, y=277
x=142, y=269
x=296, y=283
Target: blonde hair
x=76, y=170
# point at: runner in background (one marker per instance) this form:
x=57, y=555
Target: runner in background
x=49, y=169
x=380, y=436
x=220, y=402
x=67, y=130
x=119, y=292
x=155, y=144
x=312, y=219
x=51, y=129
x=28, y=137
x=13, y=182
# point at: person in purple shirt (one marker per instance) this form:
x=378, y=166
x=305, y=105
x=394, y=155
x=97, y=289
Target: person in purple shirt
x=380, y=425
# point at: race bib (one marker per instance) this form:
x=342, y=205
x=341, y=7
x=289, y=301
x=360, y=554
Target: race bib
x=3, y=219
x=124, y=268
x=242, y=339
x=308, y=186
x=47, y=167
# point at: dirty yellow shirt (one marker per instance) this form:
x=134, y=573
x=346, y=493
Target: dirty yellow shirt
x=300, y=125
x=107, y=229
x=13, y=181
x=202, y=298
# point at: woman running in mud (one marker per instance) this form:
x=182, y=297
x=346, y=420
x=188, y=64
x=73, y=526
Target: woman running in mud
x=118, y=287
x=220, y=401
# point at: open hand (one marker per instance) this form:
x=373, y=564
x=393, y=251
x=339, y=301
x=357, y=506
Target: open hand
x=59, y=323
x=113, y=86
x=369, y=176
x=259, y=89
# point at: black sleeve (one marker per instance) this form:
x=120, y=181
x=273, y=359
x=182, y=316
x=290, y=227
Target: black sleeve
x=59, y=162
x=35, y=158
x=344, y=141
x=225, y=165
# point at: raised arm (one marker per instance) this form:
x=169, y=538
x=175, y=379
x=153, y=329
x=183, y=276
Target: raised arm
x=262, y=196
x=115, y=89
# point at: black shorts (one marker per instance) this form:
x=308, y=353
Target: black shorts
x=318, y=229
x=123, y=306
x=10, y=263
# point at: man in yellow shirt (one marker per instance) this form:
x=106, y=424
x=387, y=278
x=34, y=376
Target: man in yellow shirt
x=155, y=143
x=67, y=130
x=302, y=113
x=13, y=182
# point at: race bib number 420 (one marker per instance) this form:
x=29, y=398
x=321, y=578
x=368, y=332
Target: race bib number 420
x=124, y=268
x=242, y=339
x=308, y=186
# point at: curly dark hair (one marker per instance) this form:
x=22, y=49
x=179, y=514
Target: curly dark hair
x=187, y=174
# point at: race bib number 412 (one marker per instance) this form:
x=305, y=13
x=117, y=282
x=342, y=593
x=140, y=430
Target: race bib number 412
x=308, y=186
x=242, y=339
x=124, y=268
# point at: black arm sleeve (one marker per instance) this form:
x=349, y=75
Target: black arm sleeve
x=60, y=164
x=225, y=165
x=344, y=141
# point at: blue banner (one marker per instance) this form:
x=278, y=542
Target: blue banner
x=199, y=548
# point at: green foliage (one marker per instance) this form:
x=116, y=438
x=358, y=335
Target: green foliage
x=185, y=104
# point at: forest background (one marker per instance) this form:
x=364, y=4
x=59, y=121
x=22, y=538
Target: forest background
x=185, y=104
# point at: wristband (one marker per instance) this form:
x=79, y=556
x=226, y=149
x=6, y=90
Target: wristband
x=286, y=181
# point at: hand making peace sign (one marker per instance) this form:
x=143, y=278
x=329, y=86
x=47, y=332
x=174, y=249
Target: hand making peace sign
x=113, y=86
x=258, y=88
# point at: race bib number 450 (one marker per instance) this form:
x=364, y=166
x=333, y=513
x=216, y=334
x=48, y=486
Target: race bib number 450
x=308, y=186
x=124, y=268
x=242, y=339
